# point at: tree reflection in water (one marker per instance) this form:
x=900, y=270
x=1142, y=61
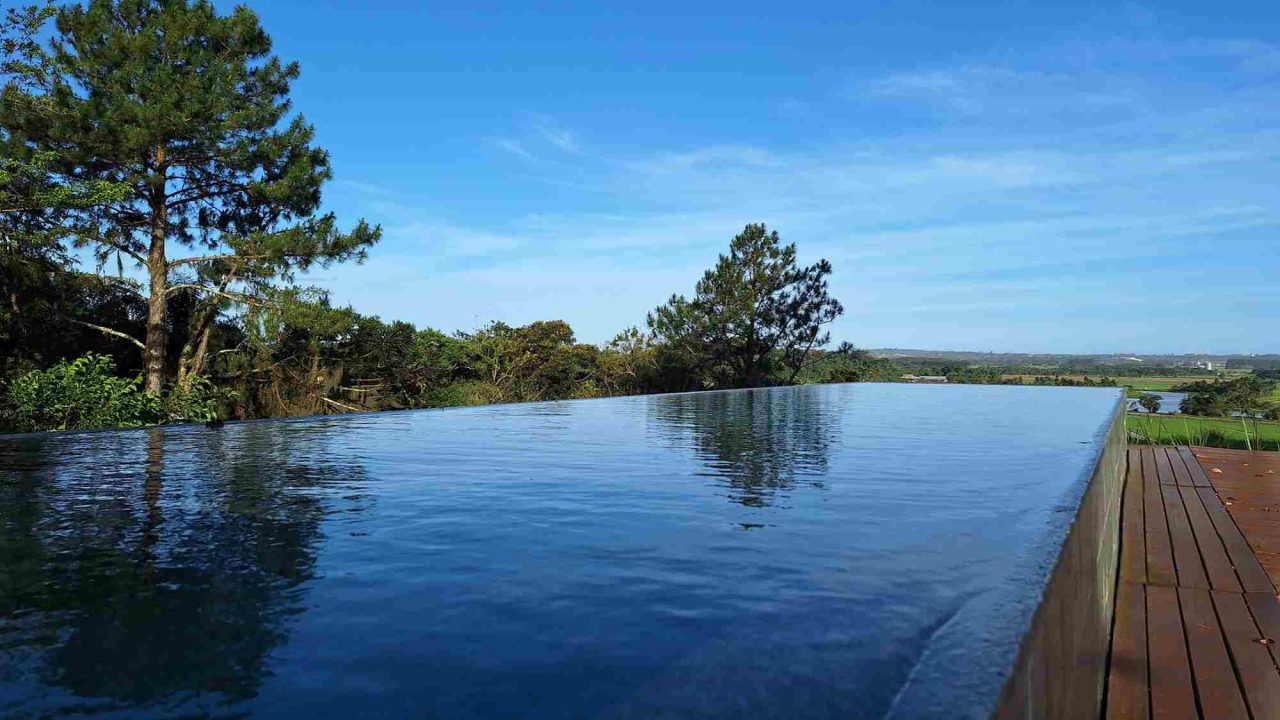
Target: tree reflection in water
x=155, y=571
x=762, y=443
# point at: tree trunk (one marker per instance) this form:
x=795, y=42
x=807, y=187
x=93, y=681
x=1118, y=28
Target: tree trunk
x=153, y=356
x=194, y=353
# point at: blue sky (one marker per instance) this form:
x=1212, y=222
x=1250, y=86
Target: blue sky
x=1035, y=177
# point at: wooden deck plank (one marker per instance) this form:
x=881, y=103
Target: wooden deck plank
x=1198, y=476
x=1253, y=578
x=1216, y=686
x=1266, y=613
x=1128, y=693
x=1172, y=697
x=1218, y=567
x=1180, y=472
x=1208, y=611
x=1253, y=662
x=1186, y=555
x=1133, y=545
x=1163, y=469
x=1159, y=547
x=1249, y=484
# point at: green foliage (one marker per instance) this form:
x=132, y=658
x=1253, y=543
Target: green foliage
x=195, y=403
x=1086, y=381
x=627, y=365
x=87, y=394
x=975, y=376
x=1249, y=394
x=82, y=394
x=536, y=362
x=752, y=315
x=465, y=392
x=849, y=364
x=1238, y=433
x=1149, y=402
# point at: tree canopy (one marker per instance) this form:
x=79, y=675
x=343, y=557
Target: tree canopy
x=187, y=110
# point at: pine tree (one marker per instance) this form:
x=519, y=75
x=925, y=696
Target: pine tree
x=754, y=312
x=189, y=111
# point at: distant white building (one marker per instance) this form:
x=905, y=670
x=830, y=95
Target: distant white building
x=1204, y=364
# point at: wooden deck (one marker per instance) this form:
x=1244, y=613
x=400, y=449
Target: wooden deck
x=1249, y=485
x=1197, y=622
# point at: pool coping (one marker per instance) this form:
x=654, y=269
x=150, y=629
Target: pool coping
x=1037, y=646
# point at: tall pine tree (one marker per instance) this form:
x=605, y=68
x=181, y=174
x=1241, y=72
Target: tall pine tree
x=189, y=111
x=754, y=313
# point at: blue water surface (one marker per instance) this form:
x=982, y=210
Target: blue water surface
x=779, y=553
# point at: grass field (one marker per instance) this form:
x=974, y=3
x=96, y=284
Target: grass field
x=1213, y=432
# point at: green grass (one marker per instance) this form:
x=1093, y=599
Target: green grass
x=1157, y=383
x=1212, y=432
x=1138, y=385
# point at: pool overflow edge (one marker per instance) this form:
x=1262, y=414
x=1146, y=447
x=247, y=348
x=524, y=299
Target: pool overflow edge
x=1060, y=669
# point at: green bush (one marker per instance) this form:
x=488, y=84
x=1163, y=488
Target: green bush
x=198, y=403
x=467, y=392
x=82, y=394
x=86, y=394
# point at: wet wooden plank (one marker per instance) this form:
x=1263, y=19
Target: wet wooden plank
x=1266, y=613
x=1133, y=546
x=1186, y=555
x=1198, y=476
x=1254, y=664
x=1171, y=695
x=1218, y=567
x=1253, y=578
x=1215, y=678
x=1160, y=567
x=1163, y=469
x=1128, y=693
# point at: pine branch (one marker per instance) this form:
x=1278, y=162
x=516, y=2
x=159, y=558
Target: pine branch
x=236, y=297
x=214, y=258
x=109, y=331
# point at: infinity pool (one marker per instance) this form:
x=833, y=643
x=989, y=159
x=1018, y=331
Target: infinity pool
x=785, y=553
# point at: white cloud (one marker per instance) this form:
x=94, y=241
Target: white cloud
x=515, y=147
x=562, y=139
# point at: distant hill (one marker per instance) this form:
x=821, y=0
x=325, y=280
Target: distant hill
x=1053, y=359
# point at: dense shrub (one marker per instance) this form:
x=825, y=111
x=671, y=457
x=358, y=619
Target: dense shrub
x=86, y=394
x=197, y=403
x=1250, y=394
x=79, y=395
x=466, y=392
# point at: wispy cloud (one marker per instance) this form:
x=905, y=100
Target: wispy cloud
x=1018, y=196
x=515, y=147
x=562, y=139
x=711, y=157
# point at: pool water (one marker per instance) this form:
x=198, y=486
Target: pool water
x=779, y=553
